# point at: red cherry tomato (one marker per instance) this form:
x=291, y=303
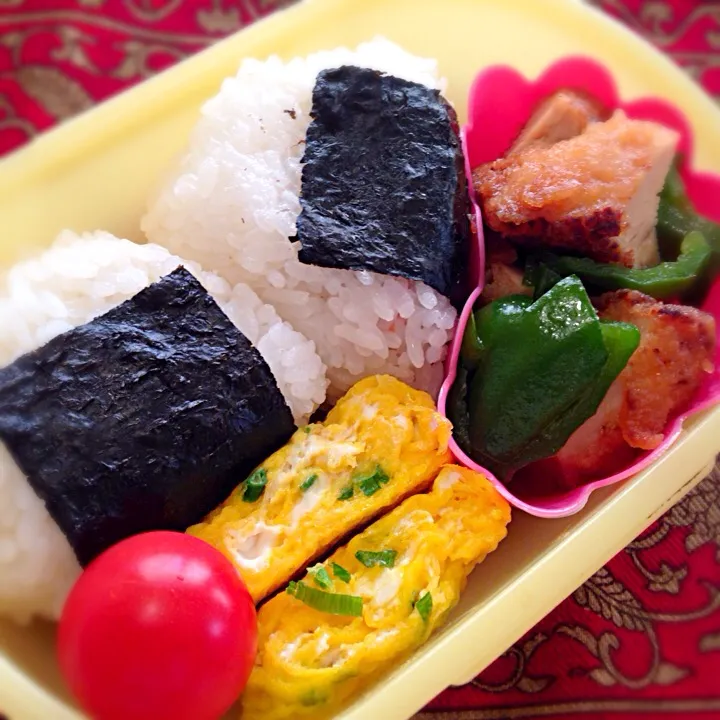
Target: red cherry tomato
x=158, y=627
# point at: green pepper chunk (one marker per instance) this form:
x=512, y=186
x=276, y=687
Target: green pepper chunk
x=546, y=368
x=689, y=245
x=668, y=279
x=471, y=350
x=673, y=191
x=539, y=276
x=677, y=218
x=494, y=316
x=621, y=340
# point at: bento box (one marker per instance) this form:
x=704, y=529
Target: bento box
x=98, y=171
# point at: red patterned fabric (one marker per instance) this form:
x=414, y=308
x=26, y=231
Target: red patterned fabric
x=642, y=637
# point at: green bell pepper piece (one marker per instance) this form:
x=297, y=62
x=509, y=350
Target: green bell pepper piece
x=673, y=191
x=621, y=340
x=472, y=354
x=662, y=281
x=544, y=369
x=690, y=260
x=539, y=276
x=677, y=218
x=540, y=358
x=471, y=350
x=475, y=341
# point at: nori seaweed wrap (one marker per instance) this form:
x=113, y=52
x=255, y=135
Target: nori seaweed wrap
x=383, y=180
x=143, y=419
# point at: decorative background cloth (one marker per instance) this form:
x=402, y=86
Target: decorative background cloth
x=641, y=637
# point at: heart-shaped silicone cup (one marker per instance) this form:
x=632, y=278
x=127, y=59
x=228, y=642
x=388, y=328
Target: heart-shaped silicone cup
x=501, y=101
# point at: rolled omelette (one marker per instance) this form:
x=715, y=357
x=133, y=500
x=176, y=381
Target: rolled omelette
x=404, y=574
x=382, y=442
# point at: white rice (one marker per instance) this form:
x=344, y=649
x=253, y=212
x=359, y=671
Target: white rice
x=234, y=201
x=76, y=280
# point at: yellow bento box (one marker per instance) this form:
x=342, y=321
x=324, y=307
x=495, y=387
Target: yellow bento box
x=97, y=172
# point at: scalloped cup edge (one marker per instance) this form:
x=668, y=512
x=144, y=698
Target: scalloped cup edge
x=585, y=74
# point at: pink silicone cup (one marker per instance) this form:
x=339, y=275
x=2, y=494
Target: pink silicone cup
x=501, y=101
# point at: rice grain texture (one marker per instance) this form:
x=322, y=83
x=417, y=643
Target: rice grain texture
x=77, y=279
x=232, y=206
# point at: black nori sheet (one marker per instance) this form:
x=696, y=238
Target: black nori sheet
x=143, y=419
x=383, y=180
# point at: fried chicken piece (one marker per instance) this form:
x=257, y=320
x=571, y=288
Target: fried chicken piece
x=503, y=280
x=676, y=350
x=499, y=250
x=597, y=448
x=562, y=116
x=595, y=194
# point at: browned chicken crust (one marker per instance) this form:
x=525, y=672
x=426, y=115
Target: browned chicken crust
x=562, y=116
x=502, y=278
x=595, y=194
x=676, y=351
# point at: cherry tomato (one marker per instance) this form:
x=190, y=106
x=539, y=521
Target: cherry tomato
x=158, y=627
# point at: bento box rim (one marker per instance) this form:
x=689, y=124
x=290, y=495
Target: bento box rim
x=142, y=101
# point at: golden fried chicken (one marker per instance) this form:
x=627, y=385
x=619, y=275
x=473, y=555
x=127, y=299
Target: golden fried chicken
x=676, y=351
x=595, y=194
x=560, y=117
x=502, y=278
